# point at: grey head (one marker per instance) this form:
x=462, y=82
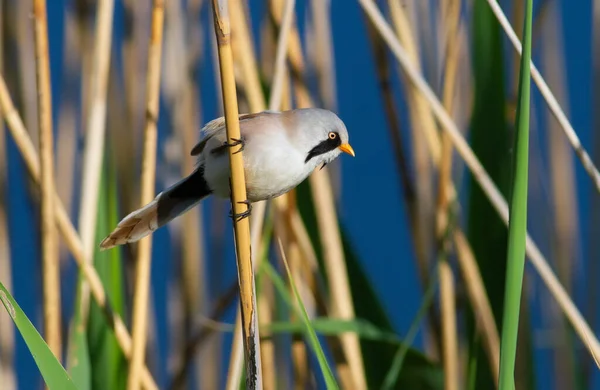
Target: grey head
x=319, y=134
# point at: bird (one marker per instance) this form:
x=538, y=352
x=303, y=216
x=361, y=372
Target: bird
x=280, y=149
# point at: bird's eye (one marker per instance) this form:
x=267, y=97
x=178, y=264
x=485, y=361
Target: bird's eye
x=332, y=135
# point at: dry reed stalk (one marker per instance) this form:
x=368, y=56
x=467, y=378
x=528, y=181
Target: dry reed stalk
x=385, y=86
x=50, y=261
x=319, y=53
x=564, y=196
x=283, y=41
x=249, y=318
x=452, y=21
x=418, y=108
x=267, y=347
x=85, y=31
x=303, y=239
x=277, y=13
x=341, y=305
x=451, y=16
x=553, y=104
x=72, y=239
x=426, y=38
x=257, y=104
x=300, y=367
x=201, y=336
x=294, y=52
x=424, y=215
x=208, y=361
x=234, y=372
x=7, y=336
x=484, y=318
x=27, y=66
x=286, y=206
x=142, y=274
x=180, y=91
x=323, y=53
x=449, y=333
x=245, y=55
x=96, y=130
x=235, y=361
x=192, y=245
x=284, y=233
x=299, y=351
x=134, y=53
x=67, y=132
x=424, y=206
x=310, y=266
x=498, y=202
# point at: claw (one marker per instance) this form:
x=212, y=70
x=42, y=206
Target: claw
x=245, y=214
x=236, y=142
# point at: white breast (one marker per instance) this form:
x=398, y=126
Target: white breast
x=272, y=166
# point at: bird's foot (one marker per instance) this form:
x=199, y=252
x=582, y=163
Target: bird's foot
x=238, y=217
x=236, y=142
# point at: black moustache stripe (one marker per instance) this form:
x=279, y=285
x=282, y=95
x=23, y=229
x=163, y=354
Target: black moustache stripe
x=325, y=146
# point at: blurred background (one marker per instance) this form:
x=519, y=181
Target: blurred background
x=386, y=198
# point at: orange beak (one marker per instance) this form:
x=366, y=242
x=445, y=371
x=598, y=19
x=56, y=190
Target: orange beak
x=346, y=148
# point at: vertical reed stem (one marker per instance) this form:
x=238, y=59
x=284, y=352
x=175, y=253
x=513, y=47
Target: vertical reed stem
x=484, y=317
x=449, y=331
x=8, y=375
x=564, y=197
x=142, y=285
x=50, y=263
x=94, y=147
x=238, y=195
x=330, y=235
x=517, y=227
x=451, y=15
x=340, y=304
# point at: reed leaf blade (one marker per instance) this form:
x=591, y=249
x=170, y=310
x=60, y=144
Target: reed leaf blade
x=78, y=358
x=109, y=366
x=517, y=229
x=54, y=374
x=308, y=329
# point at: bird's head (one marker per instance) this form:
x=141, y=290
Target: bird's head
x=323, y=136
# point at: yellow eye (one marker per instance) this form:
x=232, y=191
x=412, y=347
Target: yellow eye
x=332, y=135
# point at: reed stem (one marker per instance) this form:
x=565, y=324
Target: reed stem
x=340, y=304
x=484, y=317
x=7, y=336
x=94, y=146
x=238, y=196
x=142, y=285
x=50, y=260
x=451, y=15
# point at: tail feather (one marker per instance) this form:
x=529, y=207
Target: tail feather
x=167, y=205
